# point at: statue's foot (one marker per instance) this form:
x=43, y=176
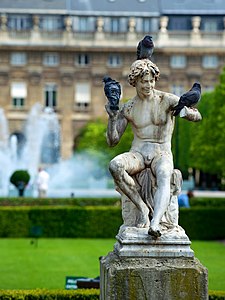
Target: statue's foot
x=154, y=232
x=143, y=220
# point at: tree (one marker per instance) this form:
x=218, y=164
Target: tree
x=208, y=142
x=20, y=179
x=92, y=139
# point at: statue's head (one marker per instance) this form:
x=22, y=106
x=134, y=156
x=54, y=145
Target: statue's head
x=140, y=68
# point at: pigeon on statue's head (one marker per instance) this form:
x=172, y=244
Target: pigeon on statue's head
x=188, y=99
x=145, y=48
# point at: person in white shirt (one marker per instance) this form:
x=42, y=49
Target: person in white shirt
x=42, y=183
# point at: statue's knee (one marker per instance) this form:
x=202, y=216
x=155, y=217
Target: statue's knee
x=115, y=167
x=165, y=173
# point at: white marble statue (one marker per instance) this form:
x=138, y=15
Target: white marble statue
x=145, y=175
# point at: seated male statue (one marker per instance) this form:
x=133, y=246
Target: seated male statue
x=150, y=114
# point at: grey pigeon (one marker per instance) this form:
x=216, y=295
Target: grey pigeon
x=145, y=48
x=188, y=99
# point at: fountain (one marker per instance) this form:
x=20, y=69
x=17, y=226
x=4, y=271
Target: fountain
x=78, y=176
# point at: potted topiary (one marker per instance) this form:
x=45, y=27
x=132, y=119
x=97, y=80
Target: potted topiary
x=20, y=179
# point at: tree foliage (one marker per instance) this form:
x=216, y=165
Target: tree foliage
x=92, y=139
x=208, y=142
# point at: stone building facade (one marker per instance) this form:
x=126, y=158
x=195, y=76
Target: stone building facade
x=57, y=52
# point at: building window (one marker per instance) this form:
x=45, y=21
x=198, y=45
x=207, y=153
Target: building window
x=209, y=25
x=210, y=61
x=115, y=25
x=82, y=95
x=146, y=25
x=19, y=22
x=179, y=23
x=51, y=23
x=178, y=61
x=82, y=59
x=51, y=95
x=18, y=58
x=18, y=94
x=114, y=60
x=177, y=89
x=51, y=59
x=83, y=24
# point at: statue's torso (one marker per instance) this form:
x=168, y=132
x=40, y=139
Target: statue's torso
x=151, y=119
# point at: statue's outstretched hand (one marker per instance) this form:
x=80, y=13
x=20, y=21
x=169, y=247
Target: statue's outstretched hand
x=190, y=114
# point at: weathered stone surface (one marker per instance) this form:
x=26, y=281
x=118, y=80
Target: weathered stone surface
x=152, y=278
x=136, y=242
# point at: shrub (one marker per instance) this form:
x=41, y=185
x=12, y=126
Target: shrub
x=212, y=202
x=216, y=295
x=203, y=223
x=20, y=179
x=80, y=294
x=29, y=201
x=67, y=221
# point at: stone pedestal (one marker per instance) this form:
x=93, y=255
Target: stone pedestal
x=148, y=278
x=143, y=268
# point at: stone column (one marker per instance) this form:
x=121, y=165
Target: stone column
x=99, y=34
x=35, y=33
x=196, y=34
x=67, y=34
x=163, y=33
x=131, y=29
x=143, y=268
x=4, y=31
x=150, y=278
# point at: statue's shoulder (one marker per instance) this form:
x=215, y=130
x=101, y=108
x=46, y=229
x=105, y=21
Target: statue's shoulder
x=127, y=108
x=170, y=98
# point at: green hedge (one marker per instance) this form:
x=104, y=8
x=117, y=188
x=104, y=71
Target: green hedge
x=200, y=223
x=196, y=201
x=80, y=294
x=215, y=202
x=216, y=295
x=89, y=221
x=59, y=201
x=203, y=223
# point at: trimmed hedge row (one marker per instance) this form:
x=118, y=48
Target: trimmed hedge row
x=80, y=294
x=59, y=201
x=57, y=221
x=196, y=201
x=203, y=223
x=200, y=223
x=215, y=202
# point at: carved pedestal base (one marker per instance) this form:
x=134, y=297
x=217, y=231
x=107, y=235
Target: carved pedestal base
x=136, y=242
x=148, y=278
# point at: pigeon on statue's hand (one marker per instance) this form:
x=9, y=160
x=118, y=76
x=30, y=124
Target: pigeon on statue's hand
x=145, y=48
x=188, y=99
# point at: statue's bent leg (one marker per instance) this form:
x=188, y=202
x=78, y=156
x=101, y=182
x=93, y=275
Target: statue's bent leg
x=121, y=167
x=163, y=171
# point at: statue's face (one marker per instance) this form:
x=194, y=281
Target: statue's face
x=145, y=84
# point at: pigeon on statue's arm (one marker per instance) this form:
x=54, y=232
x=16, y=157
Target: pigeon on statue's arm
x=188, y=99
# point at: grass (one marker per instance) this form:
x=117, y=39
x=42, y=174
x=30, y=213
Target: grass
x=25, y=266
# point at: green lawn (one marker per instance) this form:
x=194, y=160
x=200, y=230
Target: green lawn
x=25, y=266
